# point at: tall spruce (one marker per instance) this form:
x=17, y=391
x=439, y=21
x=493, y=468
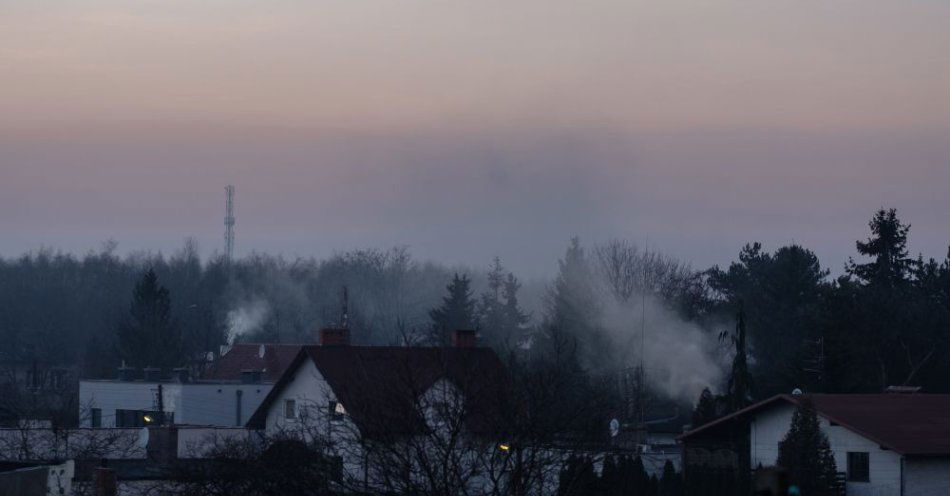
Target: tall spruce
x=456, y=312
x=150, y=337
x=706, y=409
x=500, y=318
x=887, y=247
x=806, y=454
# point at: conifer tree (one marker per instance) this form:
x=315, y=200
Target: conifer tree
x=705, y=411
x=500, y=318
x=150, y=337
x=457, y=310
x=806, y=454
x=671, y=483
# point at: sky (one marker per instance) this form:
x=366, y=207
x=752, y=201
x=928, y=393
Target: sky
x=469, y=129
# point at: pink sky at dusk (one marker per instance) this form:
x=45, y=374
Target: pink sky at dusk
x=470, y=129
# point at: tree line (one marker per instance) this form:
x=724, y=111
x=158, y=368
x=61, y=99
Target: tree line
x=883, y=322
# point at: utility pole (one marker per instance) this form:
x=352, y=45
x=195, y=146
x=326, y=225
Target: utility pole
x=161, y=406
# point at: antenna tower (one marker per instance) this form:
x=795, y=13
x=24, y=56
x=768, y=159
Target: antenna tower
x=229, y=223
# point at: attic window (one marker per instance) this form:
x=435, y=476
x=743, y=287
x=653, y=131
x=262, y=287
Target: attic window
x=859, y=466
x=290, y=409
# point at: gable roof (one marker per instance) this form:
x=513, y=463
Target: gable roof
x=909, y=424
x=247, y=356
x=379, y=385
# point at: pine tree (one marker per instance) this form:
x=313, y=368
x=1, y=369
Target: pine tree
x=671, y=482
x=705, y=411
x=806, y=454
x=457, y=310
x=574, y=311
x=150, y=337
x=500, y=318
x=888, y=247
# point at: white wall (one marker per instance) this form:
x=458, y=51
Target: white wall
x=192, y=403
x=927, y=477
x=312, y=395
x=216, y=404
x=770, y=426
x=110, y=396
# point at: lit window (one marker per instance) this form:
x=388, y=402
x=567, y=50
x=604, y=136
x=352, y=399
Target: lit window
x=336, y=410
x=859, y=466
x=290, y=409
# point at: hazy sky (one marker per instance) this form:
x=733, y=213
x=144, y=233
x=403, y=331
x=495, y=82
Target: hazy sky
x=467, y=129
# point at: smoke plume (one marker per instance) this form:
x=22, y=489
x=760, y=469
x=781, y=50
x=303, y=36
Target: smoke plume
x=247, y=318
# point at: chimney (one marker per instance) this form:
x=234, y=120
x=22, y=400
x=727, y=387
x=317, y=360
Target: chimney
x=334, y=337
x=106, y=484
x=463, y=338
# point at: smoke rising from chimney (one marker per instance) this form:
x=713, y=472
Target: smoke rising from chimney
x=247, y=317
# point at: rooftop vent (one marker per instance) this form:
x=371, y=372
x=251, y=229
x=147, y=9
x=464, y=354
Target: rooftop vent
x=126, y=373
x=152, y=374
x=182, y=375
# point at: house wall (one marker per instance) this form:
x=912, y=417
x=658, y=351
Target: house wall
x=927, y=476
x=110, y=396
x=193, y=403
x=216, y=404
x=312, y=395
x=770, y=426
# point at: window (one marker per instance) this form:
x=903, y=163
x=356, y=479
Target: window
x=859, y=466
x=290, y=409
x=336, y=410
x=96, y=420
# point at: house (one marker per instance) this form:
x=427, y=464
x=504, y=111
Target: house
x=884, y=444
x=224, y=395
x=355, y=397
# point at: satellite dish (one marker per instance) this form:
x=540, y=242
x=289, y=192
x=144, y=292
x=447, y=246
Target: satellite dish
x=143, y=438
x=796, y=392
x=614, y=427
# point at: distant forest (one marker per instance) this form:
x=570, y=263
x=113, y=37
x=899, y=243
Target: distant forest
x=885, y=321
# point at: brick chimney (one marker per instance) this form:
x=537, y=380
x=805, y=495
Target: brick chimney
x=334, y=337
x=463, y=338
x=106, y=483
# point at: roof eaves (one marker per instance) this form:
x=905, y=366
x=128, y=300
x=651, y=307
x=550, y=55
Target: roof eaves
x=734, y=415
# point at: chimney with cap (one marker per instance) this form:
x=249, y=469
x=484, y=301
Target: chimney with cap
x=334, y=337
x=463, y=338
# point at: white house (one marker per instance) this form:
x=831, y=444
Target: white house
x=225, y=395
x=884, y=444
x=356, y=397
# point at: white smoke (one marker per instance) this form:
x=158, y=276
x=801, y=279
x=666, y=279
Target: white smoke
x=679, y=357
x=247, y=317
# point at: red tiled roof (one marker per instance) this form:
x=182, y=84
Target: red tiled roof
x=378, y=385
x=909, y=424
x=247, y=356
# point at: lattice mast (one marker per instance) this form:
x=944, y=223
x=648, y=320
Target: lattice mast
x=229, y=223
